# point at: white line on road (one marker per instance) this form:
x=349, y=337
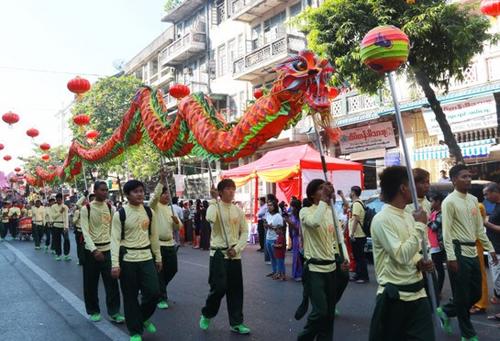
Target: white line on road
x=104, y=326
x=192, y=263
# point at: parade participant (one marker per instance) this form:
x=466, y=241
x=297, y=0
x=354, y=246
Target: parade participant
x=167, y=222
x=422, y=182
x=48, y=229
x=492, y=224
x=402, y=310
x=59, y=217
x=178, y=212
x=134, y=243
x=14, y=215
x=95, y=219
x=462, y=226
x=38, y=212
x=319, y=276
x=228, y=239
x=5, y=220
x=79, y=239
x=358, y=236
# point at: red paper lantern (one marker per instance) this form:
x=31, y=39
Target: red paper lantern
x=7, y=157
x=45, y=146
x=81, y=120
x=490, y=7
x=92, y=134
x=10, y=118
x=79, y=85
x=385, y=48
x=17, y=169
x=32, y=133
x=52, y=167
x=258, y=93
x=333, y=93
x=2, y=146
x=45, y=157
x=179, y=91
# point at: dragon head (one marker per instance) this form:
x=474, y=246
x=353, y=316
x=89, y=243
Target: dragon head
x=307, y=76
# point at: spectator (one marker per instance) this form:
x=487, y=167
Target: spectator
x=279, y=250
x=273, y=221
x=205, y=230
x=293, y=222
x=358, y=236
x=260, y=223
x=197, y=224
x=435, y=234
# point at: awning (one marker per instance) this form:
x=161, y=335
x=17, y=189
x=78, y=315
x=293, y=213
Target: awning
x=480, y=148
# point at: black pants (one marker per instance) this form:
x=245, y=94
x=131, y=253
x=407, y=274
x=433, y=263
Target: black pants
x=13, y=224
x=80, y=246
x=262, y=233
x=404, y=321
x=47, y=232
x=466, y=289
x=225, y=279
x=92, y=270
x=342, y=278
x=135, y=277
x=323, y=297
x=358, y=249
x=169, y=260
x=56, y=241
x=3, y=230
x=438, y=259
x=37, y=234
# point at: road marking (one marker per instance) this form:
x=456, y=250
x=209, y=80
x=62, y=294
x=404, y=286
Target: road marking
x=106, y=327
x=192, y=263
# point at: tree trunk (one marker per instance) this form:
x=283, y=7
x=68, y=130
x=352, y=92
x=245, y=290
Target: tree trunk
x=449, y=138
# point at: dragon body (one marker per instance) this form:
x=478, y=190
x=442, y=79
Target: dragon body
x=199, y=129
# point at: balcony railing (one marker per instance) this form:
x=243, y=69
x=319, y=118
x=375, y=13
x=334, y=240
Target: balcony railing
x=183, y=48
x=194, y=86
x=249, y=10
x=253, y=64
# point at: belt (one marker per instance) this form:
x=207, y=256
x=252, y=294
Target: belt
x=218, y=248
x=147, y=247
x=458, y=246
x=102, y=244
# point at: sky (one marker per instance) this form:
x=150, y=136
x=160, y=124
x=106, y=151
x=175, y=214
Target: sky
x=67, y=38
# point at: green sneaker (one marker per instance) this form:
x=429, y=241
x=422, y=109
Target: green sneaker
x=162, y=304
x=204, y=322
x=117, y=318
x=57, y=258
x=150, y=327
x=67, y=258
x=136, y=337
x=474, y=338
x=337, y=312
x=53, y=252
x=240, y=329
x=37, y=247
x=95, y=317
x=445, y=321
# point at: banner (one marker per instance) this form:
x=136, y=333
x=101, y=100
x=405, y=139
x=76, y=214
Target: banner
x=373, y=136
x=472, y=114
x=180, y=186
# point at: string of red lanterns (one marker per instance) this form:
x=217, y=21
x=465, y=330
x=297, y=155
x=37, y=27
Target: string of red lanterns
x=10, y=118
x=490, y=7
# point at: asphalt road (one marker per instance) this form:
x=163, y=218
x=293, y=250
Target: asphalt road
x=41, y=299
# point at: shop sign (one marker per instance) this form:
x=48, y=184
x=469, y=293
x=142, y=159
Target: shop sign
x=473, y=114
x=373, y=136
x=392, y=158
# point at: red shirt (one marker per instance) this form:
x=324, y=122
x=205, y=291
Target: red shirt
x=280, y=247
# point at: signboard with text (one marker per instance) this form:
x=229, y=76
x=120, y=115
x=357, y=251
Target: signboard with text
x=374, y=136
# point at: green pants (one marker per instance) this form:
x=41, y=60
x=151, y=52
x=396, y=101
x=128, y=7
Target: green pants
x=323, y=297
x=466, y=289
x=92, y=270
x=135, y=277
x=169, y=260
x=403, y=320
x=37, y=234
x=225, y=279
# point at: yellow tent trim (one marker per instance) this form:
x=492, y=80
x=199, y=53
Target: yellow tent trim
x=277, y=175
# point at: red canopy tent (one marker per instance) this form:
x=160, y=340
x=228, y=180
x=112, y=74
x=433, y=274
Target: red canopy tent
x=293, y=168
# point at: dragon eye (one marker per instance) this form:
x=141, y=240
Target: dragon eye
x=300, y=65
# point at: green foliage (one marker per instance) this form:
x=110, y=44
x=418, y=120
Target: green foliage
x=57, y=156
x=171, y=4
x=444, y=37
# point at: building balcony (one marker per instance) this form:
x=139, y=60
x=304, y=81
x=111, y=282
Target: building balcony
x=260, y=61
x=182, y=49
x=249, y=10
x=194, y=86
x=165, y=76
x=182, y=10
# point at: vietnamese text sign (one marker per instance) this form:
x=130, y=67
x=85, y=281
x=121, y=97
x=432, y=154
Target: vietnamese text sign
x=379, y=135
x=472, y=114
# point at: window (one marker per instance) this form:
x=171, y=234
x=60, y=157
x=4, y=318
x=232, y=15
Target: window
x=233, y=107
x=295, y=9
x=220, y=8
x=231, y=50
x=153, y=67
x=241, y=45
x=256, y=37
x=274, y=27
x=221, y=60
x=242, y=104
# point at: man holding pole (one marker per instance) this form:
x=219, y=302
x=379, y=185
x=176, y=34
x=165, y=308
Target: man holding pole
x=59, y=216
x=462, y=226
x=229, y=238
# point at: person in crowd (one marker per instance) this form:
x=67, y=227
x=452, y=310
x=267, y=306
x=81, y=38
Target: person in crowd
x=95, y=221
x=59, y=218
x=443, y=178
x=274, y=220
x=4, y=220
x=38, y=212
x=229, y=238
x=402, y=310
x=357, y=236
x=435, y=235
x=197, y=224
x=205, y=227
x=192, y=211
x=279, y=251
x=79, y=240
x=179, y=212
x=462, y=226
x=49, y=230
x=14, y=215
x=166, y=221
x=260, y=223
x=136, y=259
x=492, y=224
x=293, y=221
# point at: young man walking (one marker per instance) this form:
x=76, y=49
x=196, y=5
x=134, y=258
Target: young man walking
x=402, y=310
x=59, y=217
x=14, y=215
x=134, y=243
x=168, y=221
x=95, y=219
x=358, y=236
x=38, y=216
x=48, y=230
x=77, y=225
x=462, y=226
x=229, y=238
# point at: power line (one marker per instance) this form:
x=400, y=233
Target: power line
x=15, y=68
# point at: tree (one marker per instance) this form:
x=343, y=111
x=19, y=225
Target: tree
x=171, y=4
x=444, y=38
